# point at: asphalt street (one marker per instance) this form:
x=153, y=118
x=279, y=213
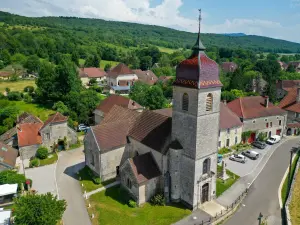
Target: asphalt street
x=263, y=193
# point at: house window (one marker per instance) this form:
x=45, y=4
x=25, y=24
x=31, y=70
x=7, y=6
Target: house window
x=209, y=102
x=219, y=133
x=271, y=124
x=228, y=131
x=267, y=125
x=219, y=144
x=206, y=166
x=48, y=136
x=253, y=121
x=279, y=122
x=118, y=83
x=235, y=140
x=185, y=102
x=129, y=184
x=266, y=120
x=92, y=159
x=227, y=142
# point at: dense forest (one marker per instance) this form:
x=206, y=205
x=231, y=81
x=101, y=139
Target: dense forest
x=89, y=32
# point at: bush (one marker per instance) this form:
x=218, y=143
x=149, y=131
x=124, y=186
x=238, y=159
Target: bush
x=14, y=96
x=132, y=203
x=262, y=136
x=42, y=153
x=11, y=177
x=29, y=89
x=158, y=199
x=27, y=98
x=7, y=89
x=34, y=163
x=224, y=150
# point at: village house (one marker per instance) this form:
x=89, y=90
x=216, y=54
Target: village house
x=121, y=78
x=229, y=67
x=86, y=74
x=283, y=65
x=147, y=77
x=296, y=65
x=105, y=106
x=152, y=152
x=283, y=87
x=5, y=75
x=8, y=157
x=231, y=127
x=259, y=116
x=291, y=103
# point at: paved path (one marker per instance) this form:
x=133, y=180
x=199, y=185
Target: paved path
x=69, y=188
x=263, y=193
x=101, y=189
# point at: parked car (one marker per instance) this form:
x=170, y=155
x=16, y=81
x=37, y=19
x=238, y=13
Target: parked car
x=251, y=154
x=238, y=158
x=274, y=139
x=259, y=144
x=82, y=127
x=220, y=158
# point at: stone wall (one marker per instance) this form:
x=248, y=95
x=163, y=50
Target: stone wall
x=98, y=116
x=234, y=135
x=92, y=153
x=27, y=152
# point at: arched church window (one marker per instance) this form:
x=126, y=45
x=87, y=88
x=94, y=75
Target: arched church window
x=185, y=102
x=209, y=102
x=206, y=166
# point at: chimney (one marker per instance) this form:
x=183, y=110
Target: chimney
x=298, y=94
x=266, y=101
x=225, y=102
x=19, y=128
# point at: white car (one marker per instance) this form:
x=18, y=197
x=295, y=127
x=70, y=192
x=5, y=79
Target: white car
x=82, y=127
x=274, y=139
x=238, y=158
x=251, y=154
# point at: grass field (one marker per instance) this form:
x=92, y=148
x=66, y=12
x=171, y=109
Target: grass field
x=38, y=110
x=102, y=63
x=167, y=50
x=17, y=85
x=110, y=207
x=1, y=24
x=223, y=186
x=295, y=202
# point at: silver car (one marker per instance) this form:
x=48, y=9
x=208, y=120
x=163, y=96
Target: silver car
x=251, y=154
x=238, y=157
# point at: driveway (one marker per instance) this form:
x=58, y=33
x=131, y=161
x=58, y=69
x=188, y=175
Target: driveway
x=263, y=193
x=69, y=188
x=43, y=179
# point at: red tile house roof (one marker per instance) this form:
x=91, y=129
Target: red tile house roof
x=8, y=134
x=8, y=155
x=287, y=84
x=113, y=130
x=28, y=134
x=120, y=69
x=27, y=118
x=106, y=105
x=92, y=72
x=289, y=102
x=147, y=77
x=227, y=118
x=144, y=167
x=229, y=67
x=253, y=107
x=55, y=118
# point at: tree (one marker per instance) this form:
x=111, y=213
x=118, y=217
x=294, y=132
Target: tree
x=164, y=71
x=107, y=67
x=92, y=61
x=154, y=98
x=11, y=177
x=237, y=81
x=1, y=64
x=93, y=82
x=284, y=58
x=5, y=57
x=18, y=58
x=42, y=152
x=164, y=60
x=75, y=58
x=61, y=108
x=37, y=209
x=32, y=64
x=146, y=63
x=138, y=92
x=14, y=96
x=291, y=68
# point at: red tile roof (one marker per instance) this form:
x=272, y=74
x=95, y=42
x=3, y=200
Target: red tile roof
x=106, y=105
x=28, y=134
x=289, y=99
x=166, y=111
x=28, y=118
x=189, y=75
x=227, y=118
x=120, y=69
x=144, y=167
x=153, y=130
x=293, y=125
x=8, y=155
x=92, y=72
x=147, y=77
x=287, y=84
x=8, y=134
x=5, y=74
x=253, y=107
x=55, y=118
x=229, y=67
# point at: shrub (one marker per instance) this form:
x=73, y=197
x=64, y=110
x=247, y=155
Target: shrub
x=7, y=89
x=132, y=203
x=262, y=136
x=42, y=153
x=29, y=89
x=34, y=163
x=11, y=177
x=96, y=180
x=27, y=98
x=224, y=150
x=158, y=199
x=14, y=96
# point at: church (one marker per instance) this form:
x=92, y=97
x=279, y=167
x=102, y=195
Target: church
x=161, y=152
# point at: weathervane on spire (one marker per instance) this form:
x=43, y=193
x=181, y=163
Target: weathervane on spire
x=200, y=19
x=198, y=46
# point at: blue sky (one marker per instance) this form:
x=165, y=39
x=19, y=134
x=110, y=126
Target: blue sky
x=272, y=18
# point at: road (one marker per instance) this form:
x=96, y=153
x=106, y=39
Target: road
x=263, y=194
x=69, y=188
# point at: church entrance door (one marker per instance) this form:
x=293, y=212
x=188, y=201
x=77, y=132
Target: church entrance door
x=205, y=191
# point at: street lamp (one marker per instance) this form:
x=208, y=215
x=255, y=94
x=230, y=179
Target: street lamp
x=260, y=216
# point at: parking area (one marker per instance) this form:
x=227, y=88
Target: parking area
x=243, y=169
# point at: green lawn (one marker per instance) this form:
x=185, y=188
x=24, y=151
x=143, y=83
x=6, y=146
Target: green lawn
x=221, y=186
x=73, y=146
x=294, y=206
x=38, y=110
x=17, y=85
x=102, y=63
x=110, y=207
x=1, y=24
x=52, y=158
x=85, y=177
x=285, y=184
x=167, y=50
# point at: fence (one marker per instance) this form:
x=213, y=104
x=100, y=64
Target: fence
x=221, y=215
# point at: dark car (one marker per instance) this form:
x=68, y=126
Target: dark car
x=259, y=144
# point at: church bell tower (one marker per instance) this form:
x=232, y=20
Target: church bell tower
x=195, y=128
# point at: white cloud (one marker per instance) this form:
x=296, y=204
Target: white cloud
x=167, y=13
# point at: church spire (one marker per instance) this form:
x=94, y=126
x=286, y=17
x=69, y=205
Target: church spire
x=198, y=46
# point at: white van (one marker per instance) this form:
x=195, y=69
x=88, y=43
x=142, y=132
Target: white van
x=274, y=139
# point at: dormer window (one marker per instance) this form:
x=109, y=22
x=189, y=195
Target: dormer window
x=209, y=102
x=185, y=102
